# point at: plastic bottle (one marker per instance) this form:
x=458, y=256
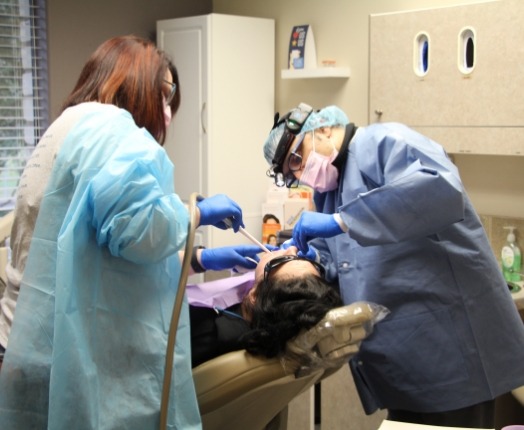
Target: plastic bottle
x=511, y=257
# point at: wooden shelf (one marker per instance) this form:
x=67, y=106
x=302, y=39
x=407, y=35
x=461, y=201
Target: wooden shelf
x=320, y=72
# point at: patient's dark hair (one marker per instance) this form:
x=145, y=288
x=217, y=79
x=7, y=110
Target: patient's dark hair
x=285, y=306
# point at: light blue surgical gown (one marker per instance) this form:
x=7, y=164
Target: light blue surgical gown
x=88, y=342
x=415, y=245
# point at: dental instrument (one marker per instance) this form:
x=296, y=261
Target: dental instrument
x=243, y=231
x=252, y=260
x=253, y=239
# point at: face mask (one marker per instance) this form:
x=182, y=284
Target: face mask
x=318, y=172
x=167, y=114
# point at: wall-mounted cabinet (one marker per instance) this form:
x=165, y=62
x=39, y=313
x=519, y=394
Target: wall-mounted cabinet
x=455, y=74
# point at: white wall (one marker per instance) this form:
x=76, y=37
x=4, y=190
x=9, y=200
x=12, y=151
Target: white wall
x=341, y=33
x=495, y=184
x=76, y=28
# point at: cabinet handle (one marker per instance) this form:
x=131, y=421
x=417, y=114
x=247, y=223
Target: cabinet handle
x=202, y=117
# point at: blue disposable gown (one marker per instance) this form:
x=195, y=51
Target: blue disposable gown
x=88, y=341
x=415, y=245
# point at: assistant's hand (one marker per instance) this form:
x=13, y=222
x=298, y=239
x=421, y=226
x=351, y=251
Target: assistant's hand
x=229, y=257
x=312, y=225
x=214, y=209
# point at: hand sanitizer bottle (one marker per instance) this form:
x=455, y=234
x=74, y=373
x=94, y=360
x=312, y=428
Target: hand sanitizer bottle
x=511, y=257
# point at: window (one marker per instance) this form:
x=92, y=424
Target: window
x=24, y=113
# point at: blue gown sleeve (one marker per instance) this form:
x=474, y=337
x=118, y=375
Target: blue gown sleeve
x=136, y=213
x=411, y=188
x=326, y=258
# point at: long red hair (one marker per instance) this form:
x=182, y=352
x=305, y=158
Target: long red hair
x=128, y=72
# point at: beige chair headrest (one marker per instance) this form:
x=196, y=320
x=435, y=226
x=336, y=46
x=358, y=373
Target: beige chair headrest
x=336, y=338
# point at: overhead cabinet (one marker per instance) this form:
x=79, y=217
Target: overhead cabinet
x=227, y=70
x=454, y=73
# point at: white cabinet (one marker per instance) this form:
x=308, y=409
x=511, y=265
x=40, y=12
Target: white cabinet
x=226, y=66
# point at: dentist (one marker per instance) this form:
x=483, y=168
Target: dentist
x=395, y=226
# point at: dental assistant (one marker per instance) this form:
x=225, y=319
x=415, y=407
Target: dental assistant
x=395, y=226
x=95, y=264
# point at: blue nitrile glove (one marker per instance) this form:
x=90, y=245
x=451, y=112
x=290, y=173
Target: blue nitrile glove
x=312, y=225
x=311, y=254
x=228, y=257
x=214, y=209
x=287, y=244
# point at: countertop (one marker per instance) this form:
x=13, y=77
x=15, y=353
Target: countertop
x=397, y=425
x=518, y=296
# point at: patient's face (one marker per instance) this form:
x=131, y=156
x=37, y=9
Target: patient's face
x=289, y=269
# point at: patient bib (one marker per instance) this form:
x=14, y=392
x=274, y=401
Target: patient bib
x=221, y=293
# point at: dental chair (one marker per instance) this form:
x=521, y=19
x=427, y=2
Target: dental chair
x=239, y=391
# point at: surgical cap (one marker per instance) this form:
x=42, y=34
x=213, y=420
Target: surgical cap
x=330, y=116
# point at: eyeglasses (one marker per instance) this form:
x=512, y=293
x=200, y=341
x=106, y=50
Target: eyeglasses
x=283, y=259
x=172, y=93
x=294, y=162
x=294, y=121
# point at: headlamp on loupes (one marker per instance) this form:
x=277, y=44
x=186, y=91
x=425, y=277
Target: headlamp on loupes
x=294, y=121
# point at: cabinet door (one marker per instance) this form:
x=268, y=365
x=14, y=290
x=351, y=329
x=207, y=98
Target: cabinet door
x=184, y=41
x=477, y=109
x=226, y=68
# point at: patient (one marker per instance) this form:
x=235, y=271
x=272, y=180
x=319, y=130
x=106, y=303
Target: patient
x=288, y=295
